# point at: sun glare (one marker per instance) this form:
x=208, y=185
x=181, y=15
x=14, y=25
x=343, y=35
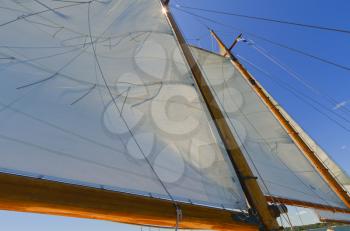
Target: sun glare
x=164, y=10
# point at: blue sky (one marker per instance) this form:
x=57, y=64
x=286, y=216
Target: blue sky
x=322, y=77
x=325, y=78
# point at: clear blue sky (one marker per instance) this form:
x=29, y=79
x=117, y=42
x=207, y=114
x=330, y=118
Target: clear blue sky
x=335, y=82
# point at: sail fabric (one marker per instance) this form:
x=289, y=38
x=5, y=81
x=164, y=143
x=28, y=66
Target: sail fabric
x=282, y=169
x=98, y=93
x=339, y=174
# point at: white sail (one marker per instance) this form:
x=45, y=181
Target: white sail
x=339, y=174
x=282, y=169
x=98, y=93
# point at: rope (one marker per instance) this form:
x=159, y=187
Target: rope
x=292, y=73
x=268, y=19
x=297, y=94
x=309, y=55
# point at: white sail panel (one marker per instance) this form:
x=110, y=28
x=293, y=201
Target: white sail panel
x=282, y=169
x=339, y=174
x=98, y=93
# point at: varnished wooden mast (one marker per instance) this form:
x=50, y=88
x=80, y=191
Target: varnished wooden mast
x=316, y=162
x=247, y=179
x=25, y=194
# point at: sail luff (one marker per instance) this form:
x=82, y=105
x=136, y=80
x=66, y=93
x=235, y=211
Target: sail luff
x=26, y=194
x=247, y=179
x=324, y=171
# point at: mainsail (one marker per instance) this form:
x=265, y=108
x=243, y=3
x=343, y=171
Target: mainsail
x=98, y=93
x=283, y=170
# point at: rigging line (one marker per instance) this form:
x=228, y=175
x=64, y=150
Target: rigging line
x=283, y=163
x=281, y=221
x=42, y=24
x=54, y=74
x=125, y=122
x=293, y=74
x=203, y=116
x=54, y=126
x=52, y=21
x=24, y=61
x=340, y=30
x=9, y=107
x=150, y=98
x=294, y=93
x=125, y=98
x=278, y=158
x=273, y=59
x=290, y=223
x=196, y=18
x=309, y=55
x=59, y=30
x=24, y=16
x=286, y=68
x=65, y=154
x=51, y=71
x=299, y=215
x=37, y=82
x=77, y=158
x=286, y=87
x=81, y=97
x=263, y=181
x=49, y=8
x=323, y=60
x=250, y=157
x=240, y=140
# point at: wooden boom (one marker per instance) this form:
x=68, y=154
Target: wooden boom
x=316, y=162
x=25, y=194
x=298, y=203
x=248, y=181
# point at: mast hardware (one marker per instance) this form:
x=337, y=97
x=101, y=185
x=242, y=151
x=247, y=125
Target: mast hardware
x=239, y=37
x=278, y=209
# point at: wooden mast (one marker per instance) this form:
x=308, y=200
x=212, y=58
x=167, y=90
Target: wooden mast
x=248, y=181
x=324, y=172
